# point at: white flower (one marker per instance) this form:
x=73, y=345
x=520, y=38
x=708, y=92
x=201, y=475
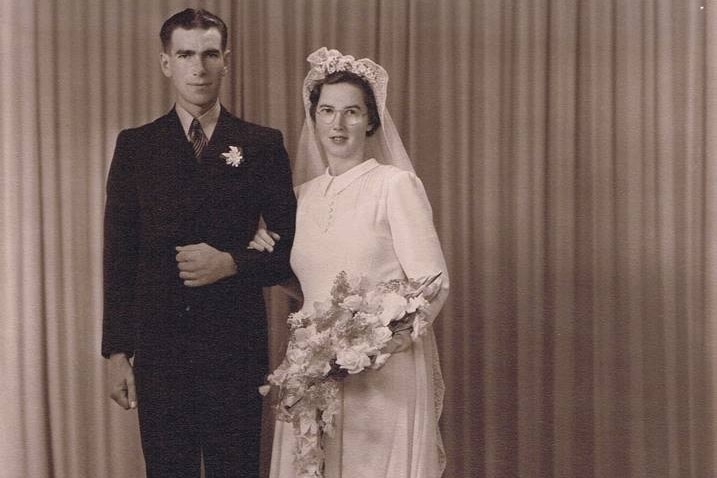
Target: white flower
x=234, y=157
x=297, y=319
x=382, y=335
x=393, y=307
x=296, y=355
x=352, y=302
x=373, y=301
x=415, y=303
x=354, y=361
x=357, y=283
x=318, y=339
x=322, y=308
x=303, y=336
x=419, y=326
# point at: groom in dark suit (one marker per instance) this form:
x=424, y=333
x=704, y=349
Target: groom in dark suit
x=184, y=320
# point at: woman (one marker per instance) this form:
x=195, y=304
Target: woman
x=362, y=209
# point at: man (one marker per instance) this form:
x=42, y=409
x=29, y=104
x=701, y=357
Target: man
x=184, y=321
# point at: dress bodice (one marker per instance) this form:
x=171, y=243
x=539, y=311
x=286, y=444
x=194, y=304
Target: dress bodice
x=366, y=221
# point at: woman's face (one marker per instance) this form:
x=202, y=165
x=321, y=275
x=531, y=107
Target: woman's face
x=342, y=121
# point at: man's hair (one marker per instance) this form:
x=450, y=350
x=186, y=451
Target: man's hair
x=189, y=19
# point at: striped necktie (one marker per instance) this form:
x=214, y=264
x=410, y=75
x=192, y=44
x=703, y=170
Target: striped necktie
x=197, y=138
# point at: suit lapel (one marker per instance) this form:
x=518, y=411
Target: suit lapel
x=213, y=170
x=174, y=145
x=178, y=164
x=228, y=132
x=198, y=180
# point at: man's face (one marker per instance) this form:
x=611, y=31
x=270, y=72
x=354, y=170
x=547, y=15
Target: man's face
x=196, y=65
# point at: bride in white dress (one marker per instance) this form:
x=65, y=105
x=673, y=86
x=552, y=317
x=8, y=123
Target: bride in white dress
x=363, y=210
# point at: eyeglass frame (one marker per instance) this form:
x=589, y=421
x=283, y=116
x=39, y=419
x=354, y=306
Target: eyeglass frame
x=327, y=120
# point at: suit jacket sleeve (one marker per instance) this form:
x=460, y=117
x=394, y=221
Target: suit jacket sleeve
x=121, y=251
x=279, y=212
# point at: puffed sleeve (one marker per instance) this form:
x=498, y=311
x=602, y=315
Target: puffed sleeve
x=414, y=236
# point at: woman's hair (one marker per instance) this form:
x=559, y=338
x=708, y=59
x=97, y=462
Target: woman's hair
x=190, y=19
x=353, y=79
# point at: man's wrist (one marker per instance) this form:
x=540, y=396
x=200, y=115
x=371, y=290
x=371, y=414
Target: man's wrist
x=231, y=266
x=119, y=356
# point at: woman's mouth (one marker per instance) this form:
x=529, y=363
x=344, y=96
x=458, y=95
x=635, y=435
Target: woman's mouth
x=338, y=139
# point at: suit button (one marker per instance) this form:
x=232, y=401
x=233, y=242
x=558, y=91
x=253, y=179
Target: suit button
x=188, y=308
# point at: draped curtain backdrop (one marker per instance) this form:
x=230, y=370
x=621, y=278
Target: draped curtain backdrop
x=569, y=149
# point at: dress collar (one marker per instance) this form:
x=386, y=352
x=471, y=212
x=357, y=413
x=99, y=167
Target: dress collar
x=335, y=184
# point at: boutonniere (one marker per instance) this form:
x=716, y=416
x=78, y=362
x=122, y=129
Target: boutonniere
x=234, y=157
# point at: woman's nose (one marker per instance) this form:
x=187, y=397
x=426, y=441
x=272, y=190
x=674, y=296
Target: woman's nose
x=339, y=120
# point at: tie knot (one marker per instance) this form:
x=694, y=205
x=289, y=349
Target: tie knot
x=195, y=129
x=197, y=137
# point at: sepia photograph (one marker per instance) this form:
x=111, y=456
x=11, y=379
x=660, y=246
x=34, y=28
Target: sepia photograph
x=358, y=239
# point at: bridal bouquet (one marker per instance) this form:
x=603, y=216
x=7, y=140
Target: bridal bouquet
x=344, y=336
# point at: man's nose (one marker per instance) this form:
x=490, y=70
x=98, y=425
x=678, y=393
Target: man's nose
x=198, y=68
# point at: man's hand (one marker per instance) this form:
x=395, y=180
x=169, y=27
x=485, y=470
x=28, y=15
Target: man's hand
x=122, y=379
x=201, y=264
x=264, y=240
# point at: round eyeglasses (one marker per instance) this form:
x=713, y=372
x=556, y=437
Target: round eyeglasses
x=327, y=115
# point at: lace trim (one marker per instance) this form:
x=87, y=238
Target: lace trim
x=439, y=389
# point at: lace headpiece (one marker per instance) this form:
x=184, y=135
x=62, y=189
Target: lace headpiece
x=385, y=144
x=325, y=62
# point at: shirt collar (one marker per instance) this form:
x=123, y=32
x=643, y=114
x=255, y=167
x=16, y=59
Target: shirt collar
x=336, y=184
x=208, y=120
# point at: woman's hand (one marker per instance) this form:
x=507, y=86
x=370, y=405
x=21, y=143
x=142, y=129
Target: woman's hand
x=399, y=342
x=264, y=240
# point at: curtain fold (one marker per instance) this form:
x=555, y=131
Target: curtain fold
x=568, y=150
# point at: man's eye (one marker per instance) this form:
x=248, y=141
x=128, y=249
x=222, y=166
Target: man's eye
x=351, y=113
x=326, y=111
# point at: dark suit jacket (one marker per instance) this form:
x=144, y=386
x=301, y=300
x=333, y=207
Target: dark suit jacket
x=158, y=197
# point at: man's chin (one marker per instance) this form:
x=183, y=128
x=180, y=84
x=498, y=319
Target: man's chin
x=199, y=102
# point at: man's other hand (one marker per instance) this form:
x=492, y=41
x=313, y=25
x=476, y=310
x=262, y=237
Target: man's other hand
x=122, y=381
x=202, y=264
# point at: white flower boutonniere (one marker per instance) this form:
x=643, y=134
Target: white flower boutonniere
x=234, y=157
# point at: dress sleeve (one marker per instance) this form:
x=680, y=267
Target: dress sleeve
x=415, y=240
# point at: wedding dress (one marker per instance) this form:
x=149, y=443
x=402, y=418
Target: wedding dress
x=373, y=220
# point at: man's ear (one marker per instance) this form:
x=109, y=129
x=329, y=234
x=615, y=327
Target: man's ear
x=226, y=56
x=164, y=64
